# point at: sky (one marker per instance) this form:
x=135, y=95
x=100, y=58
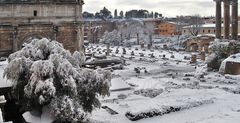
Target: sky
x=169, y=8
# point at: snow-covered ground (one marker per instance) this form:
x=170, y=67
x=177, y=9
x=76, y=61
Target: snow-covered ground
x=204, y=97
x=166, y=81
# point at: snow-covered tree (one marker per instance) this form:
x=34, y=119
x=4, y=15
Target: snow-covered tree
x=111, y=38
x=221, y=49
x=45, y=74
x=132, y=28
x=196, y=24
x=149, y=31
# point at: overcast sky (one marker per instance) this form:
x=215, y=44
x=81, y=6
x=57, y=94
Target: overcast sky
x=169, y=8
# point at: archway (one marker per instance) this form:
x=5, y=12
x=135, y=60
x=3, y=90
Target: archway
x=29, y=38
x=194, y=47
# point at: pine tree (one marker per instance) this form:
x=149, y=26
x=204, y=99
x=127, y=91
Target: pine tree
x=115, y=14
x=121, y=14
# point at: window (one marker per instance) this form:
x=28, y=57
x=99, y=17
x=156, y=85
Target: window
x=209, y=31
x=35, y=13
x=214, y=30
x=203, y=30
x=184, y=31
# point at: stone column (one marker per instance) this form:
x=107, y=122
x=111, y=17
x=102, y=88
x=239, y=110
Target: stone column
x=121, y=36
x=79, y=22
x=226, y=18
x=80, y=46
x=14, y=41
x=137, y=38
x=218, y=19
x=55, y=31
x=234, y=19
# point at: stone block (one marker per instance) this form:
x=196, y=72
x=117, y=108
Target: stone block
x=232, y=68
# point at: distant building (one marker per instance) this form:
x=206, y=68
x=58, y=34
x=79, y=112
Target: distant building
x=204, y=29
x=167, y=29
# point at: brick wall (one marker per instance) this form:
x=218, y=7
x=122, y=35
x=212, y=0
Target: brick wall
x=66, y=34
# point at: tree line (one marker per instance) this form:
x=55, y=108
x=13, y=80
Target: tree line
x=107, y=14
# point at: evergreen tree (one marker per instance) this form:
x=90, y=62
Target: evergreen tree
x=121, y=15
x=115, y=14
x=156, y=15
x=151, y=15
x=105, y=13
x=88, y=15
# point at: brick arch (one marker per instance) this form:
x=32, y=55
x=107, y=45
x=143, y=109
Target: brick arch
x=27, y=38
x=192, y=45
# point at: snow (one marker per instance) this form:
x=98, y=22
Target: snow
x=3, y=81
x=1, y=116
x=203, y=96
x=119, y=84
x=207, y=25
x=35, y=117
x=184, y=85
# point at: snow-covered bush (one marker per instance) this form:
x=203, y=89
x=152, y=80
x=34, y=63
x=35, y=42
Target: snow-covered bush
x=44, y=73
x=221, y=50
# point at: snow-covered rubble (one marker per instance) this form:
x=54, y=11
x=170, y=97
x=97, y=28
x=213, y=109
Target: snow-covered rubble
x=165, y=109
x=148, y=92
x=166, y=89
x=184, y=92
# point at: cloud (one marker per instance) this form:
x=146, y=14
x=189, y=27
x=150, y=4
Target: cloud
x=166, y=7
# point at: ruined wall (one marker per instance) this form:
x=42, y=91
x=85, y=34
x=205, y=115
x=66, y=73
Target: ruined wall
x=6, y=36
x=65, y=33
x=41, y=10
x=20, y=22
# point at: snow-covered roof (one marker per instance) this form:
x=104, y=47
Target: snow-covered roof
x=208, y=35
x=203, y=26
x=91, y=20
x=172, y=22
x=148, y=19
x=207, y=25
